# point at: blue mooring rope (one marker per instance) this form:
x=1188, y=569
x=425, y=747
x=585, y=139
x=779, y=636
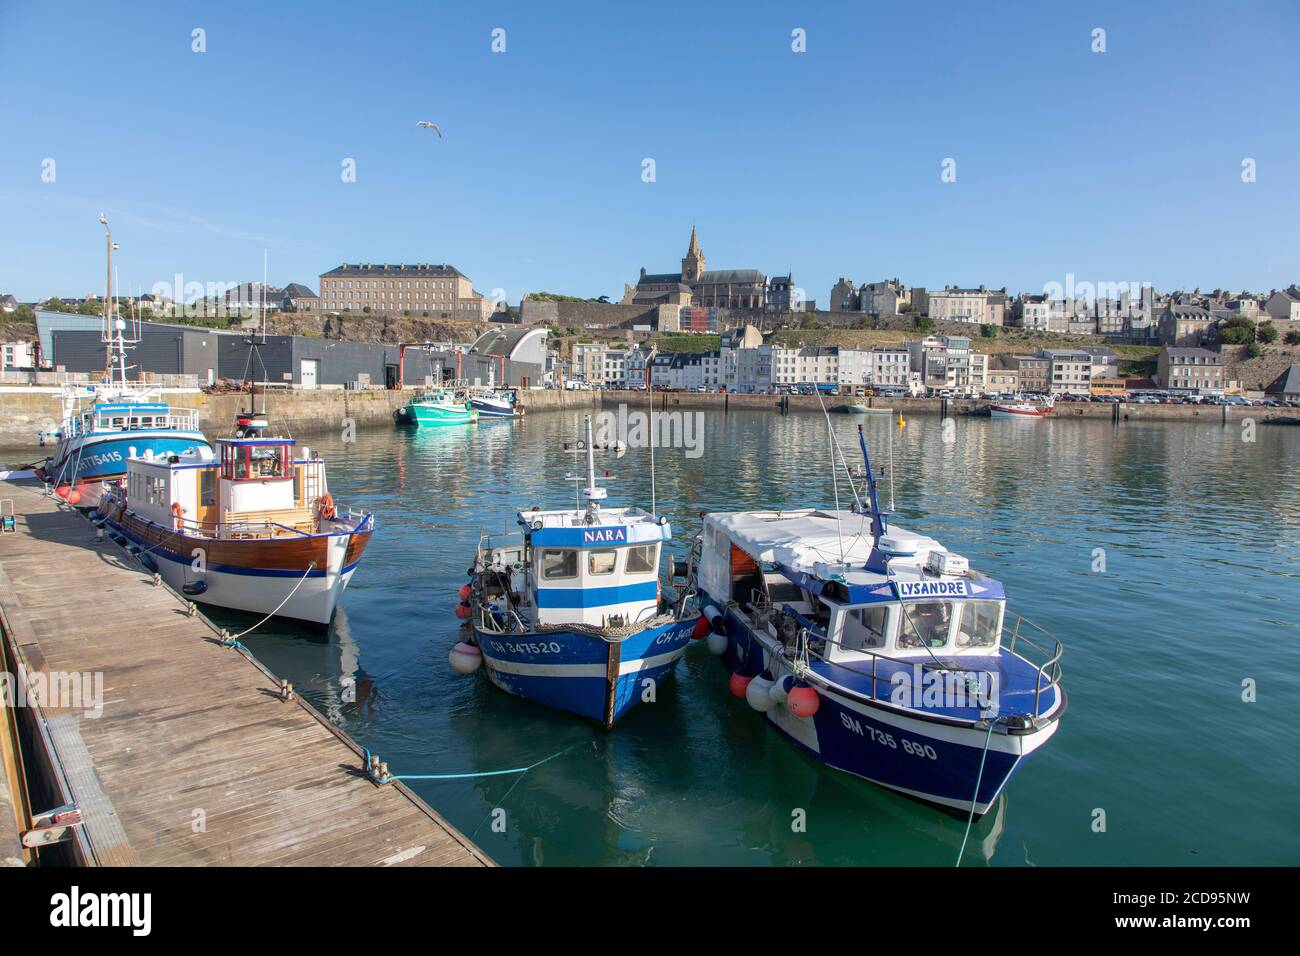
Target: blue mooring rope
x=464, y=776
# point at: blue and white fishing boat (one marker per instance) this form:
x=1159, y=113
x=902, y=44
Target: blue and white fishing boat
x=569, y=611
x=876, y=650
x=105, y=424
x=491, y=403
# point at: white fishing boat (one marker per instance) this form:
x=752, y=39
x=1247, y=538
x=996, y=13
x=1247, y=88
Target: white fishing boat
x=1023, y=408
x=876, y=650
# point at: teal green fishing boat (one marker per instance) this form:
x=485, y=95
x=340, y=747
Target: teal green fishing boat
x=439, y=407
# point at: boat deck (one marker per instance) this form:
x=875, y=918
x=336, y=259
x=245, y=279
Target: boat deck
x=195, y=759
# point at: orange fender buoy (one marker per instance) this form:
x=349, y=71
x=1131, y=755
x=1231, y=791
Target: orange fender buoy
x=803, y=701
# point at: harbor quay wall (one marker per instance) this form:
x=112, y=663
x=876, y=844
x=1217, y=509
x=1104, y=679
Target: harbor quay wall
x=26, y=411
x=1211, y=414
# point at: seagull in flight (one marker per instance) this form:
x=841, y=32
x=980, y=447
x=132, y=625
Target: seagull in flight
x=430, y=124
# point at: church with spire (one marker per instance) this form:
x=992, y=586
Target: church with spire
x=696, y=285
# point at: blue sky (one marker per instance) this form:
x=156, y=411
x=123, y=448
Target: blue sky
x=1115, y=166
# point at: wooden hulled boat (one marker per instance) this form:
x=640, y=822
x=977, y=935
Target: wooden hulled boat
x=255, y=530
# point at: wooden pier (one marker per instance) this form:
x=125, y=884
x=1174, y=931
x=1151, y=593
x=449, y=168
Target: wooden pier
x=195, y=759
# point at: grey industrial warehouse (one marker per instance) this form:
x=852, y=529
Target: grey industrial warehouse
x=514, y=357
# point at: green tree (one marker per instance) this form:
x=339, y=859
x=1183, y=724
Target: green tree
x=1266, y=332
x=1293, y=337
x=922, y=323
x=1237, y=331
x=989, y=331
x=1253, y=350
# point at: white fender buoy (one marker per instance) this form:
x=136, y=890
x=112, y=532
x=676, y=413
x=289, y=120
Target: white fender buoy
x=759, y=695
x=780, y=689
x=714, y=617
x=465, y=658
x=717, y=643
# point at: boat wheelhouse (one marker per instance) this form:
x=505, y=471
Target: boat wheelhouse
x=878, y=651
x=253, y=528
x=569, y=612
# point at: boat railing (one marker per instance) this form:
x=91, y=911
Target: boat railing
x=1046, y=648
x=238, y=529
x=488, y=620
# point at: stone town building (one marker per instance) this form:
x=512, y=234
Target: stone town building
x=1284, y=304
x=1190, y=368
x=440, y=290
x=885, y=299
x=980, y=306
x=1184, y=325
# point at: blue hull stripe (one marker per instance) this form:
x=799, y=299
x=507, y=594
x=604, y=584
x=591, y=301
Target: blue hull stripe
x=596, y=597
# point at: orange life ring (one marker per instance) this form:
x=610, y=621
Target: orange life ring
x=179, y=514
x=325, y=504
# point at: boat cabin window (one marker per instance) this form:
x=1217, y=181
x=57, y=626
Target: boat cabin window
x=208, y=487
x=601, y=562
x=155, y=490
x=642, y=559
x=865, y=628
x=255, y=462
x=925, y=624
x=979, y=624
x=559, y=564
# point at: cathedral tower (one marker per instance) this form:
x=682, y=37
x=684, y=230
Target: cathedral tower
x=693, y=264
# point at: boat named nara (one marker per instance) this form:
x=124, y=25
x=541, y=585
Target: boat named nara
x=569, y=612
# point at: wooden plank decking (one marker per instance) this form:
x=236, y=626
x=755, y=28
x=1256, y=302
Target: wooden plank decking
x=190, y=729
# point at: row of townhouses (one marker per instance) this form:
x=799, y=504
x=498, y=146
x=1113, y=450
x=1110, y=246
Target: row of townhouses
x=745, y=364
x=1125, y=310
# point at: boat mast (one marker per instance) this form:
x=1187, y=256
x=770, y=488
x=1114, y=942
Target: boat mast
x=593, y=493
x=108, y=299
x=878, y=525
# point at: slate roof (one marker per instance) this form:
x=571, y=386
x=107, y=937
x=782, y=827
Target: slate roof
x=1288, y=383
x=416, y=271
x=731, y=276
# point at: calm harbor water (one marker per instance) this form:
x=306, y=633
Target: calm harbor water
x=1201, y=590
